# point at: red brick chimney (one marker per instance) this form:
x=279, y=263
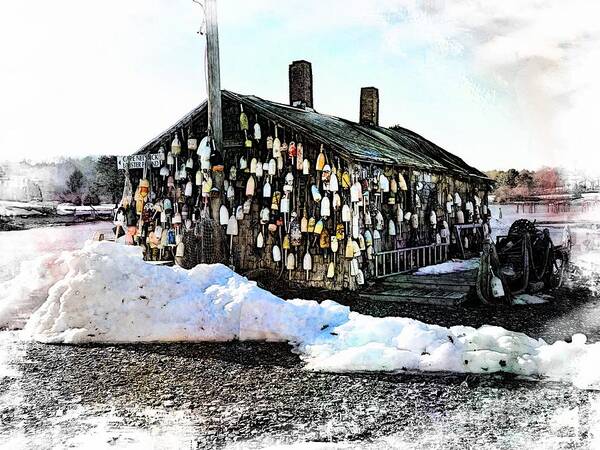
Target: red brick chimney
x=369, y=106
x=301, y=90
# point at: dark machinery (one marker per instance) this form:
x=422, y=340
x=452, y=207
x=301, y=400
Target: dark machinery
x=524, y=260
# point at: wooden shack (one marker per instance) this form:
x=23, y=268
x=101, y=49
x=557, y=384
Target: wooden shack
x=309, y=197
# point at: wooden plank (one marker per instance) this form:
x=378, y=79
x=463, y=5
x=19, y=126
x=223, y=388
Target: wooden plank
x=433, y=279
x=453, y=301
x=409, y=285
x=419, y=292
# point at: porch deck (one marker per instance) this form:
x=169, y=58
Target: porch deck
x=445, y=289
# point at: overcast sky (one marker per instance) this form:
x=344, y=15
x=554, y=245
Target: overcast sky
x=511, y=83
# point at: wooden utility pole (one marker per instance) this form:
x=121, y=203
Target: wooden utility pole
x=215, y=117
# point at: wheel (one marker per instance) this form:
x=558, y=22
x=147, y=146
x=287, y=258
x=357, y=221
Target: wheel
x=557, y=274
x=521, y=226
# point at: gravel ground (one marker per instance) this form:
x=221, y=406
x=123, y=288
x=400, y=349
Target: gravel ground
x=252, y=395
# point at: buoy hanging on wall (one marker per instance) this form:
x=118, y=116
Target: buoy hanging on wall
x=392, y=228
x=307, y=263
x=232, y=226
x=333, y=183
x=250, y=186
x=330, y=270
x=316, y=195
x=325, y=207
x=239, y=212
x=176, y=146
x=346, y=213
x=276, y=145
x=267, y=190
x=276, y=253
x=320, y=160
x=291, y=262
x=243, y=119
x=305, y=167
x=414, y=221
x=334, y=244
x=433, y=218
x=264, y=216
x=299, y=156
x=402, y=183
x=257, y=131
x=284, y=207
x=223, y=215
x=360, y=277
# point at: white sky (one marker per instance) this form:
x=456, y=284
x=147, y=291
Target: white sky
x=502, y=84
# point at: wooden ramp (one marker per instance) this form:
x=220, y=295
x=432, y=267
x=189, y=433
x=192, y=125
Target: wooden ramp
x=446, y=289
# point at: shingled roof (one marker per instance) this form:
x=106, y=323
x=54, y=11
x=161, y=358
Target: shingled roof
x=363, y=143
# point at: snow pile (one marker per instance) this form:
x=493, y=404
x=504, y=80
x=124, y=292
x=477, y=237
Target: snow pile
x=393, y=343
x=31, y=263
x=24, y=293
x=109, y=294
x=452, y=266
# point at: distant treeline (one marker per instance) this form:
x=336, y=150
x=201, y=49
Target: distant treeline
x=515, y=184
x=89, y=180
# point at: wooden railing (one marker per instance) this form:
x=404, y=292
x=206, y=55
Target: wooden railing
x=393, y=262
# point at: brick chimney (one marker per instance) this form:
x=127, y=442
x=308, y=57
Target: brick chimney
x=301, y=91
x=369, y=106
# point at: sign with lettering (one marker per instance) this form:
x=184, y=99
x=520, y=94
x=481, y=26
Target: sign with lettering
x=137, y=161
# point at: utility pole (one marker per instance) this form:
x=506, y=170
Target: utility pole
x=215, y=117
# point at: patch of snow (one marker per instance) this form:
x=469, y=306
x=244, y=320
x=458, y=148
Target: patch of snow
x=87, y=428
x=452, y=266
x=528, y=299
x=109, y=294
x=10, y=354
x=588, y=263
x=565, y=418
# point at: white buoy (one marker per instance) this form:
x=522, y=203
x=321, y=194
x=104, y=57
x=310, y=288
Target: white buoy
x=334, y=185
x=346, y=213
x=257, y=131
x=223, y=215
x=232, y=226
x=391, y=228
x=316, y=194
x=325, y=207
x=330, y=270
x=307, y=263
x=267, y=190
x=250, y=186
x=260, y=242
x=291, y=262
x=276, y=253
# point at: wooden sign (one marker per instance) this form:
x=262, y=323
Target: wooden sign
x=136, y=161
